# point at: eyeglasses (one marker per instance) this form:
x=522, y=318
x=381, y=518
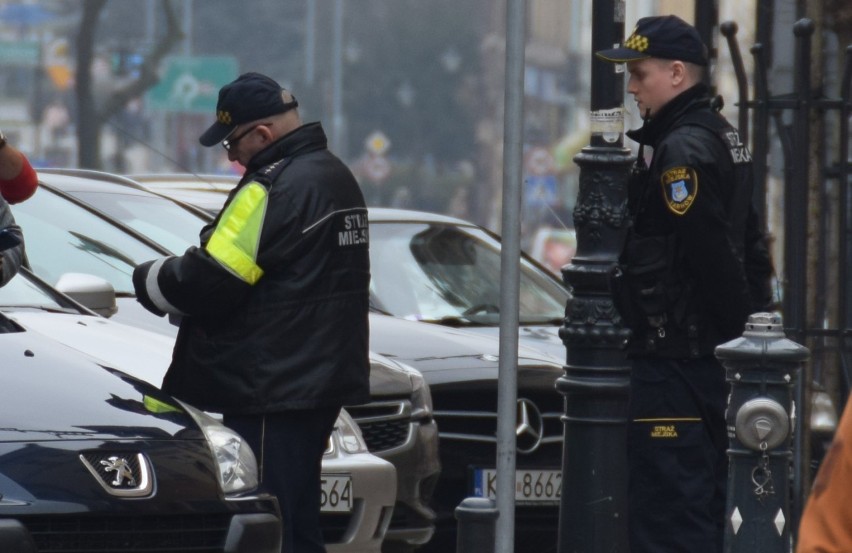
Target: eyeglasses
x=229, y=143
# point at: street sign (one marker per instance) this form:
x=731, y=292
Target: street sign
x=192, y=83
x=58, y=63
x=538, y=161
x=540, y=190
x=20, y=52
x=377, y=168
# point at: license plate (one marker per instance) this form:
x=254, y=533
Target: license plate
x=532, y=487
x=336, y=493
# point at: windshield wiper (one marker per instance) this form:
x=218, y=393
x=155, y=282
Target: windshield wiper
x=462, y=321
x=92, y=245
x=375, y=309
x=48, y=308
x=453, y=321
x=545, y=321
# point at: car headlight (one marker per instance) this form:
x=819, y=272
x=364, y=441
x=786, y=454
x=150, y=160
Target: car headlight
x=349, y=434
x=421, y=397
x=236, y=462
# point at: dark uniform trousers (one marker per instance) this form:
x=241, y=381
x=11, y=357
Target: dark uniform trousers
x=289, y=447
x=677, y=456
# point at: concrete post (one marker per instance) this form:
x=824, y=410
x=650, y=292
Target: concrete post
x=477, y=526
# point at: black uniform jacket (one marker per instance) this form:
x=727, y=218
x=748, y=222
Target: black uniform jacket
x=13, y=256
x=297, y=338
x=695, y=200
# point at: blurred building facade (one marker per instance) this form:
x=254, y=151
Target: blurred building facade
x=37, y=107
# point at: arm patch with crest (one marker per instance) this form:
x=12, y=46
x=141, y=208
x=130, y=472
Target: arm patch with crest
x=680, y=187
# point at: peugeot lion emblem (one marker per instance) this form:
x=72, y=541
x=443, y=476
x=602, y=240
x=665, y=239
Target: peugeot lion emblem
x=530, y=428
x=121, y=467
x=120, y=474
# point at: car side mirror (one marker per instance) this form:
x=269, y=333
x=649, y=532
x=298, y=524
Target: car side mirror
x=91, y=291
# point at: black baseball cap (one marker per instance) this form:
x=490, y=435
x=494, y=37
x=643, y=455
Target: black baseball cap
x=250, y=97
x=664, y=36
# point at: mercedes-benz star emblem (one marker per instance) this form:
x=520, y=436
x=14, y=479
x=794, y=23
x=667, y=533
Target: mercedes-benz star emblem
x=530, y=428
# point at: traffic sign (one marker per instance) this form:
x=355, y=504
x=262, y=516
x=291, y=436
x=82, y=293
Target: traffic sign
x=58, y=63
x=377, y=143
x=377, y=168
x=192, y=83
x=539, y=161
x=540, y=190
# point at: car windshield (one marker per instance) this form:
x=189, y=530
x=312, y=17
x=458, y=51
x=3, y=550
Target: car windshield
x=62, y=237
x=160, y=219
x=448, y=273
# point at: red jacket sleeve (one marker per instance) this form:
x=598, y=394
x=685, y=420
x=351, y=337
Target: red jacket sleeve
x=20, y=188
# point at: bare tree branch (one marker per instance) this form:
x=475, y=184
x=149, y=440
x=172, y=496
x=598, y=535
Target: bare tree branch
x=92, y=117
x=148, y=70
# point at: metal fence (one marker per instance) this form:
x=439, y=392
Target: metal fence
x=813, y=131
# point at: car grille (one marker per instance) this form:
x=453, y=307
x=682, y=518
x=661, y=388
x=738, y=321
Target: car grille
x=335, y=526
x=471, y=416
x=137, y=534
x=466, y=416
x=384, y=424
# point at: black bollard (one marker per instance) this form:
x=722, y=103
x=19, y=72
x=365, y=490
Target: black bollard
x=477, y=525
x=762, y=367
x=596, y=379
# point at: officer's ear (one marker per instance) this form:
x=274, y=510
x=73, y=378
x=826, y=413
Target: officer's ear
x=266, y=133
x=679, y=73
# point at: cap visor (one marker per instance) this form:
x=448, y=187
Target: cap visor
x=215, y=134
x=621, y=55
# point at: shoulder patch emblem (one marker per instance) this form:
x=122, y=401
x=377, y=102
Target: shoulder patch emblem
x=680, y=187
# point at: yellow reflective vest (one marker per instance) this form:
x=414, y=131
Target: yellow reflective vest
x=234, y=242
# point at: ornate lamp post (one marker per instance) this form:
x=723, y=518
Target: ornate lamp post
x=596, y=379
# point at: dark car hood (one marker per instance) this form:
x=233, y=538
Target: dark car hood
x=51, y=392
x=542, y=338
x=446, y=355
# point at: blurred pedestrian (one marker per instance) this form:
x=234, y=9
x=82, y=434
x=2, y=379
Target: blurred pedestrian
x=826, y=525
x=693, y=267
x=18, y=181
x=273, y=303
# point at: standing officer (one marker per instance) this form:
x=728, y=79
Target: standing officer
x=693, y=267
x=274, y=302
